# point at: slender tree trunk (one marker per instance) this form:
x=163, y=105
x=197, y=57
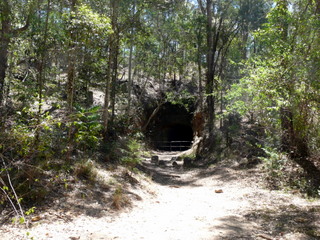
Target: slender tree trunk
x=200, y=87
x=130, y=79
x=105, y=116
x=41, y=73
x=153, y=114
x=111, y=73
x=292, y=141
x=114, y=76
x=287, y=134
x=4, y=45
x=71, y=66
x=42, y=60
x=5, y=33
x=71, y=85
x=210, y=67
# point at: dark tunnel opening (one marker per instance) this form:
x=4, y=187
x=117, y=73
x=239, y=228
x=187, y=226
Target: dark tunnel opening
x=177, y=137
x=171, y=129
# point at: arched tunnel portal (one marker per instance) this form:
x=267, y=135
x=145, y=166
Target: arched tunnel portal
x=171, y=128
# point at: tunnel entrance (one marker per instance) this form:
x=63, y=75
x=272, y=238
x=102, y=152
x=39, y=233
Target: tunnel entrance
x=171, y=129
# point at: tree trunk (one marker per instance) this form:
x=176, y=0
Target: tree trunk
x=42, y=60
x=130, y=79
x=287, y=134
x=112, y=68
x=71, y=66
x=153, y=114
x=210, y=67
x=41, y=74
x=4, y=44
x=105, y=116
x=200, y=87
x=71, y=85
x=114, y=76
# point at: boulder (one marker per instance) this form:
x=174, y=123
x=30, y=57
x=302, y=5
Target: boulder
x=162, y=163
x=187, y=162
x=155, y=159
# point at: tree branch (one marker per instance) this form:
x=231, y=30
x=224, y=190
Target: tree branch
x=17, y=31
x=201, y=7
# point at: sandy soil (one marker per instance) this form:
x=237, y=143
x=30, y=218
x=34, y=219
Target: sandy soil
x=222, y=202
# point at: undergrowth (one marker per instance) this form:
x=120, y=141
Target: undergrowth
x=283, y=174
x=39, y=162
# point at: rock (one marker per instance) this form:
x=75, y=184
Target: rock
x=155, y=159
x=175, y=164
x=187, y=162
x=174, y=159
x=161, y=163
x=36, y=219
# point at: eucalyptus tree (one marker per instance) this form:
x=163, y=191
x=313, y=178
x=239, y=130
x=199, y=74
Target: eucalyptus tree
x=88, y=34
x=221, y=28
x=14, y=19
x=167, y=39
x=282, y=84
x=125, y=16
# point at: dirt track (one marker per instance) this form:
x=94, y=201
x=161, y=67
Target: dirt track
x=188, y=205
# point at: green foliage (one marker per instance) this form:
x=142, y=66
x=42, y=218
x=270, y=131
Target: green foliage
x=183, y=98
x=283, y=174
x=28, y=139
x=24, y=137
x=282, y=74
x=91, y=27
x=275, y=161
x=88, y=128
x=30, y=211
x=131, y=153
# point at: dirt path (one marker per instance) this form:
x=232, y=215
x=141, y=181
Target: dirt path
x=221, y=202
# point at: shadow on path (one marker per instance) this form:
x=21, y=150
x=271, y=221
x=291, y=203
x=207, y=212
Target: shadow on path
x=166, y=175
x=288, y=218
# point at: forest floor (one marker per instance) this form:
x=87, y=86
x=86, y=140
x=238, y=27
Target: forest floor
x=224, y=201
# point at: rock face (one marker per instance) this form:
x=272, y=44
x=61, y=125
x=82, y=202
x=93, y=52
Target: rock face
x=187, y=162
x=155, y=159
x=162, y=163
x=166, y=111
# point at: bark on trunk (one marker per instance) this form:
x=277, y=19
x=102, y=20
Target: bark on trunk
x=210, y=67
x=287, y=134
x=112, y=68
x=200, y=88
x=105, y=116
x=71, y=66
x=114, y=78
x=4, y=45
x=130, y=80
